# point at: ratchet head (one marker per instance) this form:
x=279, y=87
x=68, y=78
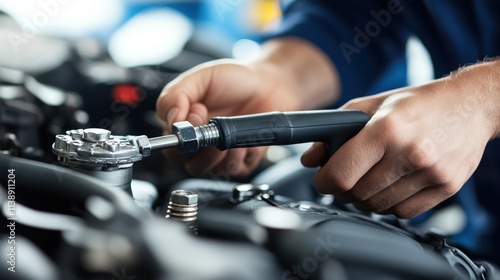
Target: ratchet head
x=97, y=148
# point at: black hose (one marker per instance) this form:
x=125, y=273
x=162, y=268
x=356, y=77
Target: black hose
x=37, y=181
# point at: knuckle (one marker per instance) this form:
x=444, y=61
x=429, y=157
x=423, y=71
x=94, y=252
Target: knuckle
x=376, y=205
x=359, y=194
x=391, y=128
x=339, y=185
x=420, y=158
x=332, y=183
x=353, y=103
x=449, y=190
x=443, y=175
x=403, y=213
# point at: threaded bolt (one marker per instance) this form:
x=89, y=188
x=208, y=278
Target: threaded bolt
x=183, y=206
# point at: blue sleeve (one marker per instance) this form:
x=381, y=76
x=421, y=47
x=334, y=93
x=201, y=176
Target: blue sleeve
x=364, y=47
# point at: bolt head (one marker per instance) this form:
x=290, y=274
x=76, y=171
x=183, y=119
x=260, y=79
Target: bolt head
x=76, y=134
x=184, y=197
x=112, y=145
x=188, y=142
x=61, y=142
x=96, y=134
x=144, y=145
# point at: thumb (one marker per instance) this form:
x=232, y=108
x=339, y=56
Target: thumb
x=369, y=104
x=315, y=156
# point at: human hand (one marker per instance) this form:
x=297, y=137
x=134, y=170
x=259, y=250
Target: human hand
x=290, y=75
x=419, y=148
x=223, y=88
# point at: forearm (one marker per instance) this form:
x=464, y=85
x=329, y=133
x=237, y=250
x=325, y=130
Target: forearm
x=308, y=71
x=482, y=85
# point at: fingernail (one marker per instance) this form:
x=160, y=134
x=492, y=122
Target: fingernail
x=171, y=116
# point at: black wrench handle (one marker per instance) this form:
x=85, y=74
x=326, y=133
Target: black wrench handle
x=334, y=127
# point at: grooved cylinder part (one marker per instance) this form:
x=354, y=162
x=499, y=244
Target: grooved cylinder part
x=183, y=206
x=209, y=135
x=182, y=213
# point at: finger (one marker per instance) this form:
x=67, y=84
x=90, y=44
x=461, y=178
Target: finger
x=181, y=93
x=204, y=161
x=198, y=114
x=314, y=156
x=241, y=162
x=421, y=202
x=399, y=191
x=349, y=163
x=172, y=107
x=384, y=174
x=233, y=163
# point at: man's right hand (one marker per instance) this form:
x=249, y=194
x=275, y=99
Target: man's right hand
x=284, y=79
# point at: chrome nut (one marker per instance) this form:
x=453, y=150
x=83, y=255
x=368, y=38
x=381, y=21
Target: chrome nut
x=144, y=145
x=188, y=140
x=76, y=134
x=112, y=145
x=183, y=197
x=61, y=142
x=96, y=134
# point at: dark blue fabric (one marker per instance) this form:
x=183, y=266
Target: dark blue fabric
x=455, y=32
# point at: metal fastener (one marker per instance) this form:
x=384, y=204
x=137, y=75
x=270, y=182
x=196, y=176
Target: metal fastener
x=112, y=145
x=188, y=139
x=183, y=206
x=96, y=134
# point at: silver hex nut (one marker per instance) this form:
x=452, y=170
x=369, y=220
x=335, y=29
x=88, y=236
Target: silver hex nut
x=96, y=134
x=184, y=197
x=144, y=145
x=188, y=141
x=62, y=142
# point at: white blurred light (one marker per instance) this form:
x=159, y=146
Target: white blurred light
x=49, y=95
x=420, y=69
x=64, y=17
x=449, y=221
x=81, y=117
x=277, y=218
x=246, y=49
x=100, y=208
x=150, y=38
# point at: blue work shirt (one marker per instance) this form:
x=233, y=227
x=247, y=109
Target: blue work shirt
x=366, y=40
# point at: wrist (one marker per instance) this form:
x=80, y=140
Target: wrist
x=481, y=85
x=303, y=68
